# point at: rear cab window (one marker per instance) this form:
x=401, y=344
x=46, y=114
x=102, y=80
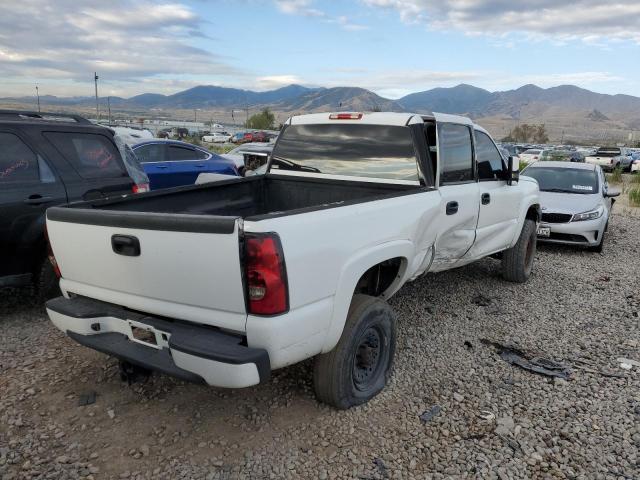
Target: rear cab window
x=490, y=162
x=91, y=155
x=350, y=150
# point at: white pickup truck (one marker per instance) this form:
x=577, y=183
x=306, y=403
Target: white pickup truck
x=222, y=283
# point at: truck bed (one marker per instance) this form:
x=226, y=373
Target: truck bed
x=252, y=197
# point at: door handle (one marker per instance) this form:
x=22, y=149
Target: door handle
x=37, y=200
x=161, y=166
x=201, y=165
x=452, y=208
x=486, y=198
x=126, y=245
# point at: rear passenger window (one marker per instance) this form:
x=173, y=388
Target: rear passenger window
x=153, y=152
x=91, y=155
x=177, y=154
x=455, y=154
x=18, y=164
x=490, y=164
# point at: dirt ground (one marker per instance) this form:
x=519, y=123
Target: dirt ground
x=492, y=420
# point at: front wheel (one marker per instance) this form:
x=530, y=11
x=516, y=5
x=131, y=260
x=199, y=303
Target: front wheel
x=517, y=262
x=358, y=368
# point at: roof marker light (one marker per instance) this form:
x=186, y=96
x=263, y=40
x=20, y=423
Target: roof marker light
x=345, y=116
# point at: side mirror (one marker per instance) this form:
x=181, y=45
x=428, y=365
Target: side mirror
x=612, y=192
x=513, y=170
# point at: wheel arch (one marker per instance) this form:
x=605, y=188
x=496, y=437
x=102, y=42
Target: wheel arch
x=395, y=255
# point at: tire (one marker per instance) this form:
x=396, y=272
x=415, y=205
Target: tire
x=517, y=262
x=600, y=246
x=360, y=365
x=46, y=282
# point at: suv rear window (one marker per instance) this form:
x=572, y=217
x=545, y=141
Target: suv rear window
x=91, y=155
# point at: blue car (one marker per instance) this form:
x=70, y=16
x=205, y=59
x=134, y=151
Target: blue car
x=170, y=163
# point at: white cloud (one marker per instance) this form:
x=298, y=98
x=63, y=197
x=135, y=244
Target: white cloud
x=305, y=8
x=64, y=42
x=276, y=81
x=588, y=20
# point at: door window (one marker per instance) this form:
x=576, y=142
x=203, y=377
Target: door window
x=18, y=164
x=180, y=154
x=455, y=153
x=91, y=155
x=153, y=152
x=490, y=162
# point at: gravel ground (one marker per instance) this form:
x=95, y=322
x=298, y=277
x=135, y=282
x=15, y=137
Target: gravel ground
x=488, y=419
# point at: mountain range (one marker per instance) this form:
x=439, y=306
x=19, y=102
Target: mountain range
x=567, y=102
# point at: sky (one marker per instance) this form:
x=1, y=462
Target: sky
x=393, y=47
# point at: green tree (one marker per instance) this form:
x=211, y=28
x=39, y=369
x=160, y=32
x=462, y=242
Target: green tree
x=264, y=120
x=526, y=133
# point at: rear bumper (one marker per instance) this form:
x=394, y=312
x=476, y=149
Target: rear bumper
x=191, y=352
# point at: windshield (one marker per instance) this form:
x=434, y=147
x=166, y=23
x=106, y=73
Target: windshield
x=565, y=180
x=608, y=152
x=377, y=151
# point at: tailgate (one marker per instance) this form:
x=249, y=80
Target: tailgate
x=179, y=266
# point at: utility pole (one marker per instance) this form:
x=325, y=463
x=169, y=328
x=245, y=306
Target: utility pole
x=95, y=79
x=38, y=97
x=109, y=108
x=195, y=115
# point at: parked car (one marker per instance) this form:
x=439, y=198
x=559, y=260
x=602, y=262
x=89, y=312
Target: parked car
x=576, y=202
x=171, y=163
x=561, y=156
x=249, y=155
x=610, y=158
x=48, y=159
x=217, y=137
x=130, y=135
x=224, y=282
x=242, y=137
x=635, y=165
x=531, y=155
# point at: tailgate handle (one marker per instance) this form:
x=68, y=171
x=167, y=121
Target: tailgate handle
x=126, y=245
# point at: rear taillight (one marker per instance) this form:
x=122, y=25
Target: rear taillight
x=265, y=274
x=140, y=188
x=50, y=255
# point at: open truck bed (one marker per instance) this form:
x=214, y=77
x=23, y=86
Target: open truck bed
x=250, y=198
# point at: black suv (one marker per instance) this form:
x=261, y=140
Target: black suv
x=49, y=159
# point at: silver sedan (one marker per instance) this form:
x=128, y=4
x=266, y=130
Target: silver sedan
x=576, y=202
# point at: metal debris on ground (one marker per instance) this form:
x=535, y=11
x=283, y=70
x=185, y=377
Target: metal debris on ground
x=429, y=414
x=382, y=468
x=537, y=364
x=87, y=399
x=481, y=300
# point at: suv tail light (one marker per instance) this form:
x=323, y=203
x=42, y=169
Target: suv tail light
x=265, y=274
x=50, y=255
x=140, y=188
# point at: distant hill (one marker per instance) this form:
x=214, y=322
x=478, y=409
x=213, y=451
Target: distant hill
x=579, y=112
x=339, y=98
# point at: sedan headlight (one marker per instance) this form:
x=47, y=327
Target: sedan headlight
x=590, y=215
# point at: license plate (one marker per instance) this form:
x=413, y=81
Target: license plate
x=544, y=232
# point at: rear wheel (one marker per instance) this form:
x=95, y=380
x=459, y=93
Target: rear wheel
x=517, y=262
x=358, y=368
x=46, y=282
